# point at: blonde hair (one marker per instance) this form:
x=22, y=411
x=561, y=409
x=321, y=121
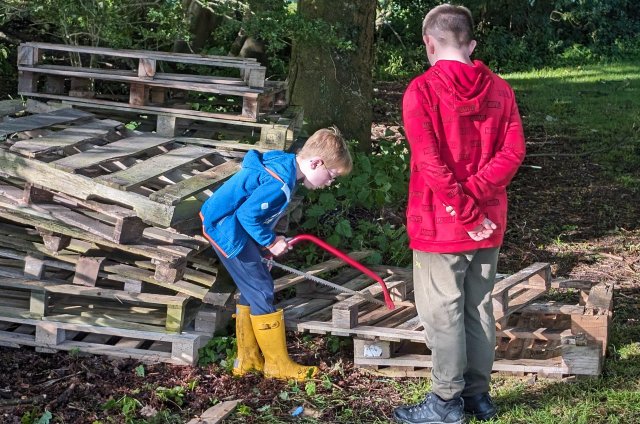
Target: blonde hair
x=328, y=144
x=449, y=24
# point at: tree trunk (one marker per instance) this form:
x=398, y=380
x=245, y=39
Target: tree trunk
x=202, y=22
x=335, y=86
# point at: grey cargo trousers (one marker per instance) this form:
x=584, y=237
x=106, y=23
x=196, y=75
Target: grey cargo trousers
x=453, y=299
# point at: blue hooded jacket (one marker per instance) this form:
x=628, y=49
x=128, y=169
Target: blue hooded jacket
x=250, y=203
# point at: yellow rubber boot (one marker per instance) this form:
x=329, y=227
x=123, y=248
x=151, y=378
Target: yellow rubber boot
x=269, y=331
x=249, y=357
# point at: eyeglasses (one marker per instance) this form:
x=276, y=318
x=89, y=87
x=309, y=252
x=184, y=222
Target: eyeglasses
x=332, y=176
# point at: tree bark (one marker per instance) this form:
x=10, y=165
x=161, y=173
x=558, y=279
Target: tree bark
x=335, y=86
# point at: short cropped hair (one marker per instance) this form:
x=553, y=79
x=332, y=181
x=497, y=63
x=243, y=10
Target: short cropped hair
x=328, y=144
x=449, y=24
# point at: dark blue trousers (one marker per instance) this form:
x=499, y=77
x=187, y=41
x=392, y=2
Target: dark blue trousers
x=252, y=278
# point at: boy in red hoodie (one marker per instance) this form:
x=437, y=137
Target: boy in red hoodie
x=466, y=139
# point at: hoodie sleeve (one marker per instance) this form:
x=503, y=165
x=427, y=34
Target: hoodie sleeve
x=426, y=158
x=499, y=171
x=261, y=208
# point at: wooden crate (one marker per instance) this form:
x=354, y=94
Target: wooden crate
x=49, y=336
x=547, y=338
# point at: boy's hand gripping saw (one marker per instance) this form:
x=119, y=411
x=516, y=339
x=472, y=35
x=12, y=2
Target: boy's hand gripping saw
x=344, y=257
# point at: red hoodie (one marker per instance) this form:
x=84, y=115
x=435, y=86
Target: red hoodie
x=466, y=141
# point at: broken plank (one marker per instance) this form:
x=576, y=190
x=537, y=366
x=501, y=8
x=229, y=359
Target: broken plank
x=142, y=172
x=217, y=413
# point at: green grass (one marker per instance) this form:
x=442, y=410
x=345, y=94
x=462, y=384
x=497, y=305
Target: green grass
x=591, y=109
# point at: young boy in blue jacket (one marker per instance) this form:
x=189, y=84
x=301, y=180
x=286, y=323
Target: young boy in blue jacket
x=239, y=220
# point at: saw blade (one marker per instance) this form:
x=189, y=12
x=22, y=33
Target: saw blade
x=365, y=296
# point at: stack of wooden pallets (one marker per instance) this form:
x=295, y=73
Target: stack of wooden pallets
x=99, y=237
x=165, y=85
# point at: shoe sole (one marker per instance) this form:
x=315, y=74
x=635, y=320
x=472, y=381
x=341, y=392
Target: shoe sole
x=482, y=417
x=400, y=420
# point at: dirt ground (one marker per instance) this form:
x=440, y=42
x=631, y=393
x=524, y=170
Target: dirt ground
x=595, y=231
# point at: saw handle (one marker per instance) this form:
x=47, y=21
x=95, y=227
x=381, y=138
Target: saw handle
x=346, y=258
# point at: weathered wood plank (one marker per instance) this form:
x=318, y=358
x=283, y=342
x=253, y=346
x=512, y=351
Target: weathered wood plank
x=42, y=120
x=175, y=193
x=527, y=284
x=142, y=172
x=109, y=75
x=224, y=118
x=131, y=146
x=216, y=414
x=95, y=130
x=211, y=60
x=71, y=289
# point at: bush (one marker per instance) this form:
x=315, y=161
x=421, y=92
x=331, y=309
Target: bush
x=366, y=209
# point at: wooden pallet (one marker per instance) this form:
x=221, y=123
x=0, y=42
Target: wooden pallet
x=63, y=302
x=149, y=89
x=560, y=339
x=49, y=336
x=80, y=263
x=163, y=180
x=167, y=251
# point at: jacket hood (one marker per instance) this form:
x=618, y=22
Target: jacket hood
x=277, y=161
x=461, y=87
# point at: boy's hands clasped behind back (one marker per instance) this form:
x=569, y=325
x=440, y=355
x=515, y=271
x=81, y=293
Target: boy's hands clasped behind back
x=482, y=231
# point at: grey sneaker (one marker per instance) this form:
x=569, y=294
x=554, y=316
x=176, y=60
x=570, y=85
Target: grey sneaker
x=480, y=406
x=432, y=410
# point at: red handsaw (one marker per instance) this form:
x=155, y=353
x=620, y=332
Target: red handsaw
x=346, y=258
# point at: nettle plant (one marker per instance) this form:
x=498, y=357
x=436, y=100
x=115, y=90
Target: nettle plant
x=364, y=210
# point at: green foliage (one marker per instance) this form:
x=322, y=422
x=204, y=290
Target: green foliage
x=365, y=209
x=174, y=394
x=126, y=406
x=219, y=350
x=110, y=23
x=310, y=388
x=276, y=23
x=514, y=35
x=335, y=343
x=35, y=417
x=243, y=409
x=140, y=372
